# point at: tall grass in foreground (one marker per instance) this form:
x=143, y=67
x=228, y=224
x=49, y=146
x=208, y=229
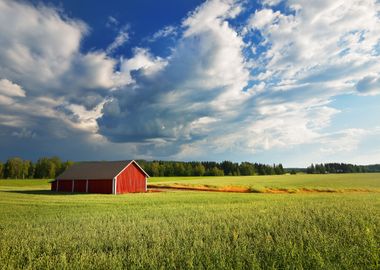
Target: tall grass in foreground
x=184, y=230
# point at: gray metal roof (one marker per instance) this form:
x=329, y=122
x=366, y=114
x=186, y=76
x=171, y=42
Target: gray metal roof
x=96, y=170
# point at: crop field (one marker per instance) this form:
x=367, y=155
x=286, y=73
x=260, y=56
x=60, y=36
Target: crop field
x=316, y=182
x=173, y=229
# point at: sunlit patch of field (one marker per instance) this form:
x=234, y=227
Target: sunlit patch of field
x=242, y=189
x=40, y=229
x=277, y=183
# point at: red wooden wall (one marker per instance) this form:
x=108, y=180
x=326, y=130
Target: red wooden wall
x=65, y=185
x=79, y=185
x=100, y=186
x=132, y=179
x=94, y=186
x=54, y=185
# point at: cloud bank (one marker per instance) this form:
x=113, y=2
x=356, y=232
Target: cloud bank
x=239, y=79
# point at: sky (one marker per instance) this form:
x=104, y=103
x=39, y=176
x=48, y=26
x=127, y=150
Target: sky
x=293, y=82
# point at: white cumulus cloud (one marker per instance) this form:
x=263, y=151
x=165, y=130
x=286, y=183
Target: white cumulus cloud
x=43, y=74
x=236, y=80
x=11, y=89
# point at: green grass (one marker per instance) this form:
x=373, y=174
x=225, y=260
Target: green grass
x=29, y=184
x=370, y=181
x=184, y=230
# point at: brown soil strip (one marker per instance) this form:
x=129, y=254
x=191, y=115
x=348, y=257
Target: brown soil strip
x=150, y=190
x=200, y=188
x=159, y=187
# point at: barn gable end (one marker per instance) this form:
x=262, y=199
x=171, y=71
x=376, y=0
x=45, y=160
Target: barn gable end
x=132, y=179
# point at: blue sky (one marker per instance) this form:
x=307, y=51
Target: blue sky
x=270, y=81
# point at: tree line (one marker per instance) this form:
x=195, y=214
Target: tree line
x=44, y=168
x=341, y=168
x=51, y=167
x=208, y=168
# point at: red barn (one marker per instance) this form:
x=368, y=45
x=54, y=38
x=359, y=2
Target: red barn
x=108, y=177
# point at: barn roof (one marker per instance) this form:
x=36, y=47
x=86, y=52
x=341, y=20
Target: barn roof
x=96, y=170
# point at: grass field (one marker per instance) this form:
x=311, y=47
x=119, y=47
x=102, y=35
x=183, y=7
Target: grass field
x=40, y=229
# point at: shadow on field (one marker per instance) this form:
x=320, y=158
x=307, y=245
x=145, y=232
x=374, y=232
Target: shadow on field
x=43, y=192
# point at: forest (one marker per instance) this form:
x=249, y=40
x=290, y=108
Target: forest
x=341, y=168
x=50, y=167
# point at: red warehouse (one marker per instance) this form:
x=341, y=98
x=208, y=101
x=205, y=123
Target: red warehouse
x=108, y=177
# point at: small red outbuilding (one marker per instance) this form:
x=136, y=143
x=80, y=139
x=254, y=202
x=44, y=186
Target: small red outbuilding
x=108, y=177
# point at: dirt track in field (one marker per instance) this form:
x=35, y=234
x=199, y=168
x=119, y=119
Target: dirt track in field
x=234, y=189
